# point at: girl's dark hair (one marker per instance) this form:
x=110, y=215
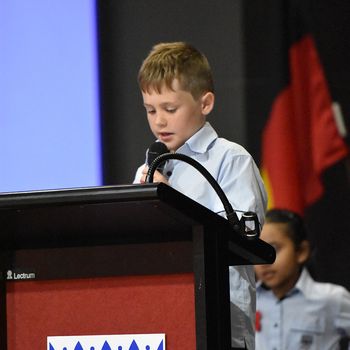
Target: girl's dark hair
x=295, y=227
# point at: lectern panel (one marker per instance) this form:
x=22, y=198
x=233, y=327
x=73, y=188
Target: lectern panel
x=118, y=305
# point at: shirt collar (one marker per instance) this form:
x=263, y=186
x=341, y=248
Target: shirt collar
x=200, y=141
x=303, y=285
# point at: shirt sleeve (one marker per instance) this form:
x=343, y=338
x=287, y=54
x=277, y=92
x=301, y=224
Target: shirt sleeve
x=342, y=321
x=138, y=175
x=241, y=181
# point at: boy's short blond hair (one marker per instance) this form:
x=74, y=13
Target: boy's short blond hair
x=176, y=60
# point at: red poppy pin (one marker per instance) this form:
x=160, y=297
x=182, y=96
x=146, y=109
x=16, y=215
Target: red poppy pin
x=258, y=317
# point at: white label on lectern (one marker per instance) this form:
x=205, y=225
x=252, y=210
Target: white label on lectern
x=13, y=275
x=108, y=342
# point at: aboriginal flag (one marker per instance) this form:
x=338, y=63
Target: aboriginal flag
x=300, y=139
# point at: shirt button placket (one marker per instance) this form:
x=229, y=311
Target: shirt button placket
x=275, y=331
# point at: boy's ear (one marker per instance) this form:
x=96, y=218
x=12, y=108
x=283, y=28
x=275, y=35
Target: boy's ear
x=303, y=252
x=207, y=102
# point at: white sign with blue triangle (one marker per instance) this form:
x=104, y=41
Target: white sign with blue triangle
x=108, y=342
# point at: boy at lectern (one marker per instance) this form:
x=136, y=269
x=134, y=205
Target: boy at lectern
x=178, y=94
x=294, y=311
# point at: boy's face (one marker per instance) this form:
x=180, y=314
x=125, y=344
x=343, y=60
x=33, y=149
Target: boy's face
x=174, y=115
x=282, y=275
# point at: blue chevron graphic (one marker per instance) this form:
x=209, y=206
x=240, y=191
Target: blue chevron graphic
x=107, y=346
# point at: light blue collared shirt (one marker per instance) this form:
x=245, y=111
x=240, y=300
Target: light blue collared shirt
x=312, y=315
x=238, y=176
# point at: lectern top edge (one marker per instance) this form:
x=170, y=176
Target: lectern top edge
x=78, y=194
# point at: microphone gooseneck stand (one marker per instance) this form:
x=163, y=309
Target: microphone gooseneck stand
x=239, y=226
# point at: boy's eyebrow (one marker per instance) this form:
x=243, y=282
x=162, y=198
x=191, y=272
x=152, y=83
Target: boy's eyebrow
x=163, y=104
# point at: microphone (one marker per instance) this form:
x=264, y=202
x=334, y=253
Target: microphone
x=247, y=227
x=155, y=150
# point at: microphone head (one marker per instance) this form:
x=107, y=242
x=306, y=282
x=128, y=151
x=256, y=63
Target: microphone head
x=156, y=149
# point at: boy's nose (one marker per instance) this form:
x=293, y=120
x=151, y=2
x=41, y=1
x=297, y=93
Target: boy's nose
x=160, y=119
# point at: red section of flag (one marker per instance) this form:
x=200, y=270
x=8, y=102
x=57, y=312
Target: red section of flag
x=300, y=139
x=258, y=318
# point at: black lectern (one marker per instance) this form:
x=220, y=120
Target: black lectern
x=108, y=231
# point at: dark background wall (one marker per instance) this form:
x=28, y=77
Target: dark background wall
x=232, y=34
